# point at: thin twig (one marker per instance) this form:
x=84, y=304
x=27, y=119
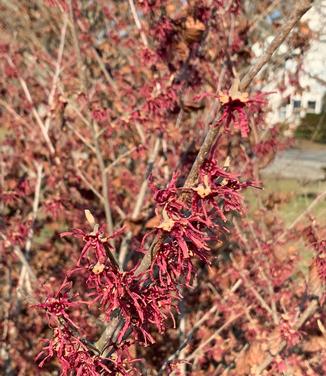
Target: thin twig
x=302, y=6
x=139, y=200
x=14, y=113
x=142, y=192
x=106, y=73
x=105, y=185
x=57, y=71
x=196, y=326
x=35, y=113
x=120, y=158
x=21, y=257
x=89, y=184
x=81, y=137
x=257, y=295
x=138, y=23
x=24, y=279
x=81, y=67
x=213, y=336
x=302, y=215
x=36, y=202
x=262, y=15
x=268, y=280
x=182, y=371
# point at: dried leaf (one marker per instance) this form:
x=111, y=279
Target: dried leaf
x=153, y=222
x=316, y=286
x=193, y=30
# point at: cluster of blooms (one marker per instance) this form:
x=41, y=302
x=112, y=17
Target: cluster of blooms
x=21, y=189
x=288, y=332
x=141, y=304
x=75, y=357
x=182, y=234
x=76, y=354
x=146, y=299
x=159, y=100
x=148, y=89
x=236, y=107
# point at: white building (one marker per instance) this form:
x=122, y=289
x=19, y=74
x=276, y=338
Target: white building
x=290, y=105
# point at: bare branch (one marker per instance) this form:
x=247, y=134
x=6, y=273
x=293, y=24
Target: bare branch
x=196, y=326
x=138, y=23
x=57, y=71
x=139, y=201
x=34, y=111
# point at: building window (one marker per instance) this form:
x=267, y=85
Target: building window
x=311, y=105
x=282, y=113
x=296, y=104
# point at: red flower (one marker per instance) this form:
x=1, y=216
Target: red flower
x=236, y=106
x=165, y=195
x=218, y=189
x=75, y=358
x=140, y=302
x=182, y=238
x=288, y=333
x=100, y=115
x=57, y=306
x=96, y=241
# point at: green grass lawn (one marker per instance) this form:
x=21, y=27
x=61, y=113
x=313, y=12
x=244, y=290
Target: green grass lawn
x=297, y=197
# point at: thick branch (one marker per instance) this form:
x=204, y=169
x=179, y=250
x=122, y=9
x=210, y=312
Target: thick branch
x=301, y=8
x=210, y=139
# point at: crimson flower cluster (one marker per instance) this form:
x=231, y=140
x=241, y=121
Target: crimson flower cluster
x=141, y=304
x=236, y=107
x=21, y=189
x=288, y=333
x=186, y=223
x=75, y=358
x=144, y=300
x=72, y=351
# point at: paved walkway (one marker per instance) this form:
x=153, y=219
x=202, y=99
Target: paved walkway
x=305, y=165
